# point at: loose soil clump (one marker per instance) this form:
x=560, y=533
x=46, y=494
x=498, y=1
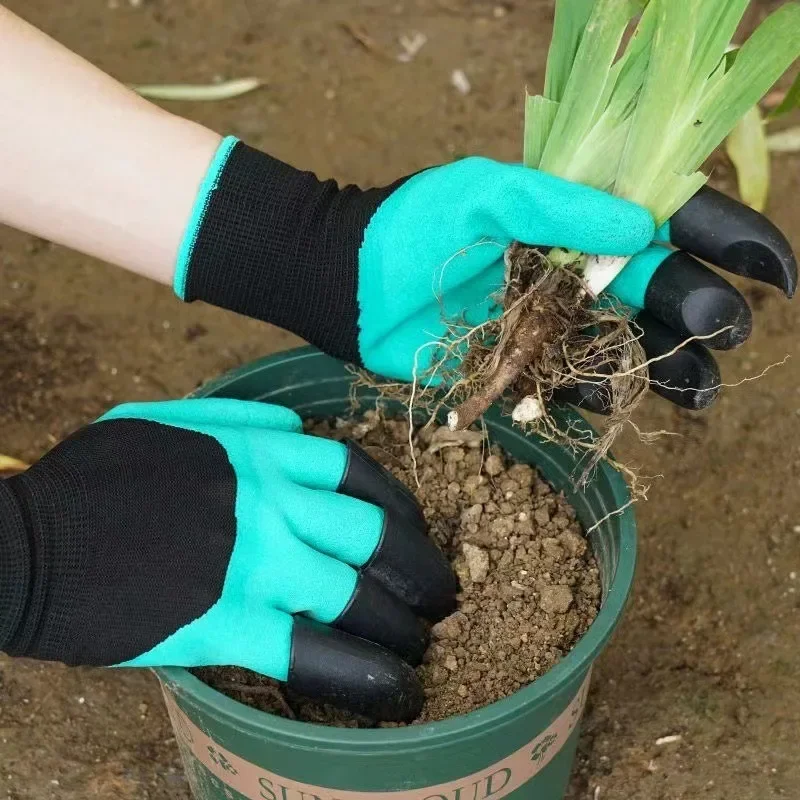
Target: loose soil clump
x=529, y=585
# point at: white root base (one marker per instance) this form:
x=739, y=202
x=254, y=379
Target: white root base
x=601, y=270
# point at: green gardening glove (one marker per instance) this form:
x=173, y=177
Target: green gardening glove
x=214, y=532
x=371, y=276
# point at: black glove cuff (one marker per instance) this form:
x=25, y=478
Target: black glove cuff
x=15, y=565
x=277, y=244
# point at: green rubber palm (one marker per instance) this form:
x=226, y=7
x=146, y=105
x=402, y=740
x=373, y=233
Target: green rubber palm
x=434, y=250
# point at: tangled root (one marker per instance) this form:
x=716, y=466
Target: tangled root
x=549, y=338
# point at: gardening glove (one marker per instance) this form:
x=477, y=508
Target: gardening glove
x=679, y=298
x=367, y=276
x=214, y=532
x=370, y=276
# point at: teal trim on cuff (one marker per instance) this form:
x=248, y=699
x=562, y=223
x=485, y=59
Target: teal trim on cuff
x=210, y=183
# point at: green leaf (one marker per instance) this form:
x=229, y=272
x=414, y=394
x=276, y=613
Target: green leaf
x=716, y=26
x=790, y=102
x=761, y=61
x=747, y=148
x=673, y=193
x=661, y=100
x=632, y=67
x=200, y=93
x=581, y=103
x=539, y=115
x=570, y=22
x=596, y=162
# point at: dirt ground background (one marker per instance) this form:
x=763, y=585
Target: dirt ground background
x=709, y=649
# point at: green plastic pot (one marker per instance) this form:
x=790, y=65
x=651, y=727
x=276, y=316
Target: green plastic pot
x=522, y=746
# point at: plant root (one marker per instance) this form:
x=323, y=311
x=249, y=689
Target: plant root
x=549, y=337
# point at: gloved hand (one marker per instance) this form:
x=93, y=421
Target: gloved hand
x=214, y=532
x=368, y=276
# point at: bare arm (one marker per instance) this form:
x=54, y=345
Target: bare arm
x=89, y=164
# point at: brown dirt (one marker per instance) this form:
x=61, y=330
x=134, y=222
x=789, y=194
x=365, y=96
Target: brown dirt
x=529, y=586
x=708, y=648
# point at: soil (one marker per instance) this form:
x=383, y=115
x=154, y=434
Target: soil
x=529, y=585
x=708, y=648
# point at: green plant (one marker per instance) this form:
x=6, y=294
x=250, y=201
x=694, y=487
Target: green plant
x=637, y=95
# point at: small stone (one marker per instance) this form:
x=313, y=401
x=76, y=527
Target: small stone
x=555, y=599
x=437, y=675
x=477, y=562
x=462, y=691
x=573, y=543
x=552, y=548
x=481, y=495
x=521, y=473
x=493, y=465
x=454, y=490
x=449, y=627
x=451, y=663
x=502, y=526
x=542, y=516
x=453, y=454
x=472, y=515
x=472, y=483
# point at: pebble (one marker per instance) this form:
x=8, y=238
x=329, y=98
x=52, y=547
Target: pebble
x=438, y=675
x=449, y=627
x=473, y=482
x=555, y=599
x=573, y=543
x=451, y=663
x=521, y=473
x=552, y=548
x=472, y=514
x=481, y=495
x=477, y=562
x=502, y=526
x=493, y=465
x=542, y=516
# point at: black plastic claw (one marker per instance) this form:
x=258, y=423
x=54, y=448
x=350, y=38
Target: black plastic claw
x=375, y=614
x=695, y=301
x=412, y=567
x=689, y=377
x=730, y=235
x=365, y=479
x=406, y=561
x=351, y=673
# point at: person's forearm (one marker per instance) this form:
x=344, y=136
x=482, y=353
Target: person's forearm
x=87, y=163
